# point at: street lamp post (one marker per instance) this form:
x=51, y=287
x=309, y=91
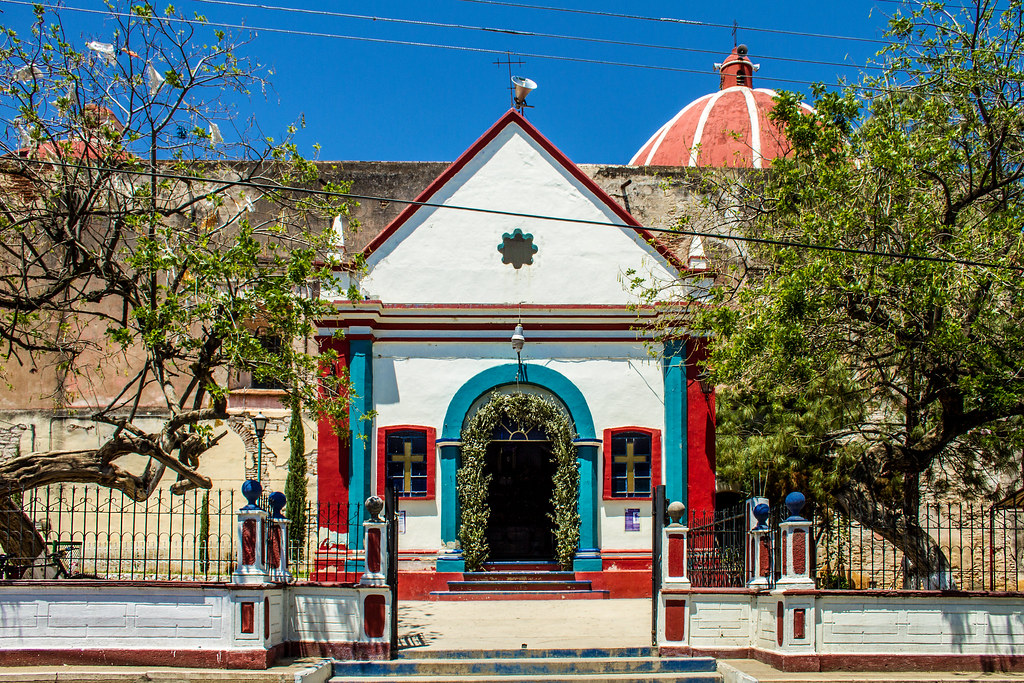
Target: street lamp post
x=259, y=425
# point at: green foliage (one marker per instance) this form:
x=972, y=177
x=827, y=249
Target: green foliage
x=204, y=534
x=529, y=412
x=295, y=485
x=141, y=246
x=863, y=376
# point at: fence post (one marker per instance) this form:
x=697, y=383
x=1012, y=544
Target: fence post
x=251, y=566
x=277, y=540
x=760, y=548
x=675, y=554
x=797, y=571
x=658, y=523
x=374, y=535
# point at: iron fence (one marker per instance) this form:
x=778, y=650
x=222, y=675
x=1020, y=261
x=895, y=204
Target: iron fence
x=95, y=532
x=983, y=548
x=717, y=545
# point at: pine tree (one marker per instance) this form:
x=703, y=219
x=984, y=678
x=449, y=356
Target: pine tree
x=295, y=484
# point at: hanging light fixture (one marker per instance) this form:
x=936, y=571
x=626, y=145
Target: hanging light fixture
x=707, y=387
x=518, y=341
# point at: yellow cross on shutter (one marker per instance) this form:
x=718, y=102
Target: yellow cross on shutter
x=630, y=458
x=407, y=459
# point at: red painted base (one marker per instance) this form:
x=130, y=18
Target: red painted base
x=363, y=652
x=202, y=659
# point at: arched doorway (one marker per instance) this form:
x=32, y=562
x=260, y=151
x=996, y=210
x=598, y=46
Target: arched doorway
x=464, y=404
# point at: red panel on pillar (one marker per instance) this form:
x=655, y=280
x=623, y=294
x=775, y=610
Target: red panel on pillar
x=274, y=547
x=249, y=542
x=700, y=433
x=675, y=620
x=799, y=551
x=266, y=617
x=332, y=449
x=675, y=556
x=374, y=616
x=765, y=557
x=373, y=550
x=780, y=622
x=248, y=617
x=799, y=624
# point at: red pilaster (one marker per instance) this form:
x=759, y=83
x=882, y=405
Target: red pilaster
x=700, y=432
x=332, y=449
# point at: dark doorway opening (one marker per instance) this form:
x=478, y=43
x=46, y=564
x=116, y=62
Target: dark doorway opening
x=520, y=500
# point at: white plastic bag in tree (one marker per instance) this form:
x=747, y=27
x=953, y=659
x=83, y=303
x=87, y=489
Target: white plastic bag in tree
x=104, y=50
x=215, y=137
x=27, y=73
x=154, y=78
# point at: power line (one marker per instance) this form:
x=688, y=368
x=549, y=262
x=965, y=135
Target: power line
x=406, y=43
x=515, y=32
x=671, y=20
x=789, y=244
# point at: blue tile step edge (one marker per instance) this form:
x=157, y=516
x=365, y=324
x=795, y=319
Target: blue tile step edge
x=666, y=677
x=531, y=653
x=555, y=666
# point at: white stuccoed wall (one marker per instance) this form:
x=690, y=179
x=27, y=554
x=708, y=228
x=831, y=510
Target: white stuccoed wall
x=445, y=256
x=414, y=383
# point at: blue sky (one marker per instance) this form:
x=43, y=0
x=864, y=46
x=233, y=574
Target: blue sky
x=377, y=101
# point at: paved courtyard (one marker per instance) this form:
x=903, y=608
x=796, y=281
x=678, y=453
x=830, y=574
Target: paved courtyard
x=508, y=624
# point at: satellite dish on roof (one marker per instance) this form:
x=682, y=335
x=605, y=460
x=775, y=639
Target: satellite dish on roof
x=522, y=87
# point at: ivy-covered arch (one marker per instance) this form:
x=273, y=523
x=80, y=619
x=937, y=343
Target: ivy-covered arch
x=528, y=411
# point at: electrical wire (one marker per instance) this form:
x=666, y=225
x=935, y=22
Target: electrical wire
x=517, y=32
x=406, y=43
x=671, y=20
x=790, y=244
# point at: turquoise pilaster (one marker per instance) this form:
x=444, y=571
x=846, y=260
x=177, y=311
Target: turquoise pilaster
x=360, y=371
x=675, y=455
x=450, y=559
x=588, y=556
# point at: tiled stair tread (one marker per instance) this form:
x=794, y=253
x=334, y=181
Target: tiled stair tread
x=517, y=575
x=701, y=677
x=524, y=585
x=518, y=594
x=543, y=653
x=558, y=665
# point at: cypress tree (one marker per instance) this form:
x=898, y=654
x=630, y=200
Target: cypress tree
x=295, y=484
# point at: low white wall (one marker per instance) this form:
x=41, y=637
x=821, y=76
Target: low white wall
x=851, y=629
x=195, y=624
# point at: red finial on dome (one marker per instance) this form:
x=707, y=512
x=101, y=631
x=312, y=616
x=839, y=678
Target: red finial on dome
x=736, y=69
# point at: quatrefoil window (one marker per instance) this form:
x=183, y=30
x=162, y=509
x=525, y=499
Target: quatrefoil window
x=517, y=249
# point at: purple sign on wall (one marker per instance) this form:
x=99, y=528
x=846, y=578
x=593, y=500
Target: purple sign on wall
x=632, y=519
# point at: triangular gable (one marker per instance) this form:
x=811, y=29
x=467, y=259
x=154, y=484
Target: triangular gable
x=513, y=116
x=471, y=242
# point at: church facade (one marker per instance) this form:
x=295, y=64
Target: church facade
x=512, y=239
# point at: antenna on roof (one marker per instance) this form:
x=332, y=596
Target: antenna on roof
x=519, y=87
x=735, y=25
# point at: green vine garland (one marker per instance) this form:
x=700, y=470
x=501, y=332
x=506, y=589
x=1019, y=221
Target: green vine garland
x=529, y=412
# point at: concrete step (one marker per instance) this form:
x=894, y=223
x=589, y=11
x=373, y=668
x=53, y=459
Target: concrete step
x=530, y=653
x=520, y=585
x=572, y=666
x=519, y=575
x=519, y=595
x=521, y=565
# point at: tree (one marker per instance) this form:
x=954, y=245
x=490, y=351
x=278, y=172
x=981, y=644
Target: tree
x=295, y=483
x=138, y=241
x=890, y=362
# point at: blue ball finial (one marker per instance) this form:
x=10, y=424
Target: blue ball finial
x=761, y=512
x=795, y=503
x=276, y=500
x=251, y=489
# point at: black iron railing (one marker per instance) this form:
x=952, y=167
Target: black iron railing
x=94, y=532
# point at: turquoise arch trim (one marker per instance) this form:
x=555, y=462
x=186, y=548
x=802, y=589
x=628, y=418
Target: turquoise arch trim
x=588, y=556
x=501, y=375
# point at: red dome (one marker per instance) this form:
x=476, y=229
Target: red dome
x=727, y=128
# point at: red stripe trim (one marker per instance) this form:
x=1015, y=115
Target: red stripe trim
x=513, y=117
